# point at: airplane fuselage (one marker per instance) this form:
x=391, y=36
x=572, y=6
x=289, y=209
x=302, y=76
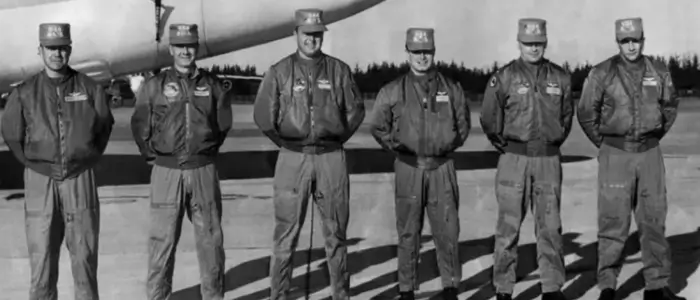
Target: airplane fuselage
x=112, y=38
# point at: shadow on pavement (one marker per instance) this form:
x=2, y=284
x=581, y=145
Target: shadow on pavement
x=685, y=249
x=132, y=169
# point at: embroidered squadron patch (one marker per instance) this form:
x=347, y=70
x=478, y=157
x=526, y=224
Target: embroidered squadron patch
x=299, y=85
x=171, y=89
x=523, y=88
x=492, y=82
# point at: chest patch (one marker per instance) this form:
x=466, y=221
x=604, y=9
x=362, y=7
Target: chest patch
x=202, y=91
x=171, y=90
x=324, y=84
x=649, y=81
x=75, y=97
x=442, y=97
x=299, y=85
x=553, y=88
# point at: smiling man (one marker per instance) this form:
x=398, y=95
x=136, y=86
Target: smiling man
x=180, y=121
x=527, y=114
x=309, y=105
x=57, y=123
x=422, y=118
x=627, y=105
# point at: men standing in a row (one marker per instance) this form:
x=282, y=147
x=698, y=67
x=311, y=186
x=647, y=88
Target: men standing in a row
x=57, y=123
x=309, y=105
x=527, y=114
x=422, y=118
x=627, y=105
x=180, y=120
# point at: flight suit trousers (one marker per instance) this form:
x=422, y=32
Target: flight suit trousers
x=437, y=192
x=630, y=182
x=524, y=183
x=174, y=192
x=325, y=178
x=58, y=209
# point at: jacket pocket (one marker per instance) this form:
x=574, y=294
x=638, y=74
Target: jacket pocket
x=517, y=118
x=294, y=122
x=169, y=126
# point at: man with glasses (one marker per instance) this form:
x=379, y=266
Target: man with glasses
x=527, y=114
x=57, y=123
x=309, y=105
x=180, y=120
x=627, y=105
x=422, y=118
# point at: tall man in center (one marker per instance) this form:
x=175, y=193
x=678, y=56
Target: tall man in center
x=527, y=114
x=180, y=121
x=309, y=105
x=422, y=118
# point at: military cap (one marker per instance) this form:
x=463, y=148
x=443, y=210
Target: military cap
x=309, y=20
x=54, y=34
x=629, y=28
x=532, y=30
x=420, y=39
x=184, y=34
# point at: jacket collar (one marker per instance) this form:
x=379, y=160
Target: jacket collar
x=70, y=72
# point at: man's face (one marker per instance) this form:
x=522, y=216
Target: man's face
x=421, y=60
x=309, y=43
x=55, y=57
x=631, y=49
x=532, y=52
x=184, y=55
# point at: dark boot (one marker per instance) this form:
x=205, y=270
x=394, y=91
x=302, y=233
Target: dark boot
x=449, y=293
x=607, y=294
x=558, y=295
x=661, y=294
x=503, y=297
x=407, y=296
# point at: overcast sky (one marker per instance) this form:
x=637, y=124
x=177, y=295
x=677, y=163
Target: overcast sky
x=478, y=32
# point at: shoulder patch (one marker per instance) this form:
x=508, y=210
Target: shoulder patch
x=493, y=81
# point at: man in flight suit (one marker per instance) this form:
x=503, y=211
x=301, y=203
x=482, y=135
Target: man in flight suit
x=527, y=115
x=422, y=118
x=627, y=105
x=309, y=105
x=180, y=121
x=57, y=124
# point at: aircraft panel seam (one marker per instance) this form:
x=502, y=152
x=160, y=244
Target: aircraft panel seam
x=204, y=27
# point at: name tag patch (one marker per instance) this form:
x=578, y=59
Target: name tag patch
x=442, y=97
x=324, y=84
x=649, y=81
x=201, y=91
x=74, y=97
x=553, y=88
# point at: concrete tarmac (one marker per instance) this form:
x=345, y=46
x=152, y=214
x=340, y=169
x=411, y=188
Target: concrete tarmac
x=246, y=168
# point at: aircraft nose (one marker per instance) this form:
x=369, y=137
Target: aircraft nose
x=235, y=25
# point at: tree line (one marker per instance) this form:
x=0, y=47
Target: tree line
x=685, y=71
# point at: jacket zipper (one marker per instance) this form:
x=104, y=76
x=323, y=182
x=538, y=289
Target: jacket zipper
x=310, y=103
x=187, y=115
x=61, y=131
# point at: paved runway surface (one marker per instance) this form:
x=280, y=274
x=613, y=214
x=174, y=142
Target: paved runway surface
x=246, y=168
